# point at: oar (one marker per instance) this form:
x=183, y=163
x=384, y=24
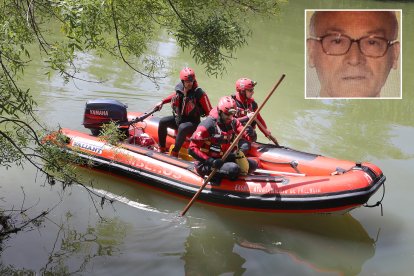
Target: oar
x=142, y=117
x=226, y=154
x=270, y=137
x=126, y=125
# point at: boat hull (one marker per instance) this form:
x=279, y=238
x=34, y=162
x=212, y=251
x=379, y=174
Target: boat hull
x=280, y=187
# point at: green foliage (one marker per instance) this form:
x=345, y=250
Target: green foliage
x=62, y=29
x=9, y=150
x=212, y=31
x=111, y=134
x=58, y=163
x=15, y=35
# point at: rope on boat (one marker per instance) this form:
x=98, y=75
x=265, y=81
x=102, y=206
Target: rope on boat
x=379, y=203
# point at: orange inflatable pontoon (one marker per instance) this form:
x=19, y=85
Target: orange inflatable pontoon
x=287, y=180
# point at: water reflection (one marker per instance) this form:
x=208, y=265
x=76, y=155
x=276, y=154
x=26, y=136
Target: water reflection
x=74, y=250
x=334, y=244
x=228, y=241
x=209, y=250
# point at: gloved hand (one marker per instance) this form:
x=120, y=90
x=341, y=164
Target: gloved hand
x=158, y=106
x=250, y=114
x=250, y=131
x=215, y=162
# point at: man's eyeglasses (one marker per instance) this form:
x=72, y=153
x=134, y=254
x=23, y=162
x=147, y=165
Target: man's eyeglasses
x=339, y=44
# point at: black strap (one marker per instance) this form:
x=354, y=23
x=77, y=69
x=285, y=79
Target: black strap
x=378, y=203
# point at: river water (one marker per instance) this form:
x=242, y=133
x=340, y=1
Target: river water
x=140, y=233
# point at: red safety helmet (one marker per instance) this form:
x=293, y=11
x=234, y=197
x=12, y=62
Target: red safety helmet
x=227, y=105
x=244, y=83
x=187, y=74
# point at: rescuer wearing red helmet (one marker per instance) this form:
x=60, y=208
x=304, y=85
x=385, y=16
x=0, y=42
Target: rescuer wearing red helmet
x=213, y=137
x=189, y=102
x=246, y=105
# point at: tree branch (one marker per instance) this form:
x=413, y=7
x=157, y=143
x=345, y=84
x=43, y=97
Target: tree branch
x=153, y=78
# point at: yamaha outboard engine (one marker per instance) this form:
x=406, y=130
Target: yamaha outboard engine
x=103, y=111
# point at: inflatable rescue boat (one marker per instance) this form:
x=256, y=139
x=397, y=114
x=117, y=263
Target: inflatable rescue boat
x=287, y=180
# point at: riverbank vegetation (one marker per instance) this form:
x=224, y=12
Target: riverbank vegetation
x=212, y=31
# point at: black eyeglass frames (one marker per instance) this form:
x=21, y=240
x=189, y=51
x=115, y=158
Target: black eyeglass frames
x=339, y=44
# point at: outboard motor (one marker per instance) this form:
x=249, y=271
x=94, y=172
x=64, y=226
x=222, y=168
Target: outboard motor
x=103, y=111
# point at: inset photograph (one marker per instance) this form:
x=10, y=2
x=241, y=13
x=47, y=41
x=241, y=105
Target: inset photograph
x=353, y=54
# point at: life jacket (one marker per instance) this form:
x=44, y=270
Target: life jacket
x=220, y=135
x=187, y=108
x=244, y=106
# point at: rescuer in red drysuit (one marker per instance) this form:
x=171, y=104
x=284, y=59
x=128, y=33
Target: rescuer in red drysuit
x=189, y=102
x=213, y=137
x=246, y=106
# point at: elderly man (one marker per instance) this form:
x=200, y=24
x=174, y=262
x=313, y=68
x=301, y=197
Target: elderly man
x=353, y=51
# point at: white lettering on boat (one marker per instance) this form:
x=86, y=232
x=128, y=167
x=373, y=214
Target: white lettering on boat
x=98, y=112
x=257, y=189
x=274, y=189
x=157, y=169
x=87, y=146
x=122, y=155
x=241, y=188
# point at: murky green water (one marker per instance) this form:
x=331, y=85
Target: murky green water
x=141, y=234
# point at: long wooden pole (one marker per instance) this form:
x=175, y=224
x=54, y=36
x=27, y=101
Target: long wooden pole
x=226, y=154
